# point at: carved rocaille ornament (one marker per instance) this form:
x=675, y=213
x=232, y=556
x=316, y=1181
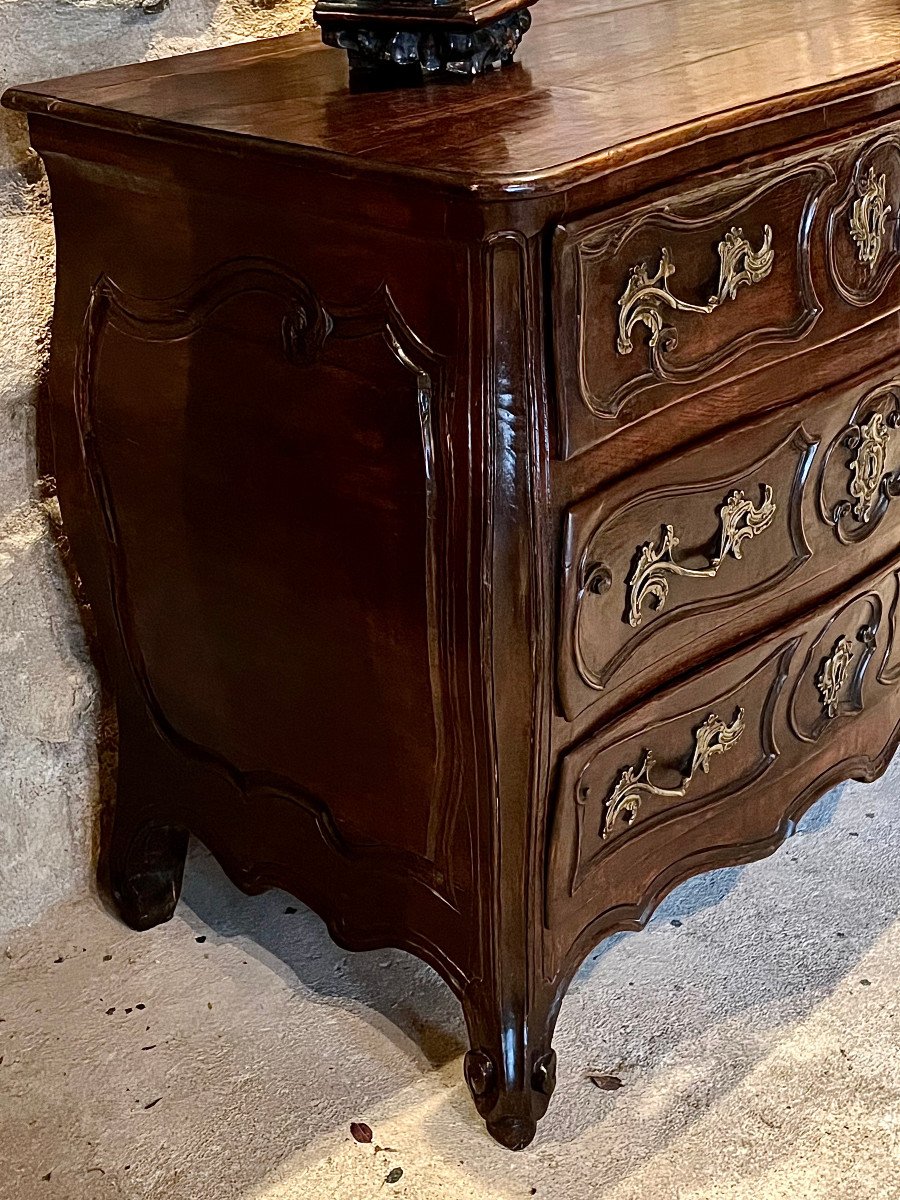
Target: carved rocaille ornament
x=457, y=40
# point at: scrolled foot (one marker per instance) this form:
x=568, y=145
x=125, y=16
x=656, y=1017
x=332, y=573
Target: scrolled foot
x=512, y=1107
x=513, y=1133
x=145, y=875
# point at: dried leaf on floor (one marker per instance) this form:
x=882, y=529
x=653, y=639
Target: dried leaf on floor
x=606, y=1083
x=360, y=1131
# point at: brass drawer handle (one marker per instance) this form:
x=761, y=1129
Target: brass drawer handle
x=644, y=298
x=868, y=216
x=713, y=737
x=739, y=519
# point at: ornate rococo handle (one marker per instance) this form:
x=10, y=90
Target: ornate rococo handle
x=645, y=298
x=834, y=669
x=713, y=737
x=833, y=675
x=870, y=440
x=868, y=217
x=739, y=519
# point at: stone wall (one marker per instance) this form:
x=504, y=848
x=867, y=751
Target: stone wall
x=49, y=701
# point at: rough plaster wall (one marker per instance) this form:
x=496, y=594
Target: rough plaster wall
x=48, y=692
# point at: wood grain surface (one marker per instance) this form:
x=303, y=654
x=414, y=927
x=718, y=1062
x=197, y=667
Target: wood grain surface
x=598, y=84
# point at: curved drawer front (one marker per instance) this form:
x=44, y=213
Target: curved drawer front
x=676, y=563
x=719, y=278
x=641, y=800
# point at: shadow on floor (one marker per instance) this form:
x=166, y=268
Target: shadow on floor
x=410, y=1004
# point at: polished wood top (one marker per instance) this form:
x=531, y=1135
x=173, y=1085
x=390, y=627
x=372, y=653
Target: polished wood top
x=599, y=84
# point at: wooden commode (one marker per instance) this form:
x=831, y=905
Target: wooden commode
x=487, y=493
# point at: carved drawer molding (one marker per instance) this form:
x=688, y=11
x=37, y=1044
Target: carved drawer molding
x=679, y=781
x=830, y=684
x=861, y=238
x=692, y=747
x=859, y=475
x=628, y=329
x=722, y=543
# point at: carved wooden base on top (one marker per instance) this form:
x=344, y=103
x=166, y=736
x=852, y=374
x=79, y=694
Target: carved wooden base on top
x=426, y=50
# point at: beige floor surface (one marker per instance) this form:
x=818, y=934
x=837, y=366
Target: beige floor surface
x=754, y=1025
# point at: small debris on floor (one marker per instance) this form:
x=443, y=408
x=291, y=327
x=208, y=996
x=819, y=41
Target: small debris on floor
x=360, y=1131
x=606, y=1083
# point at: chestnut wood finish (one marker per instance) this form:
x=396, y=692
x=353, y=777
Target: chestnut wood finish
x=487, y=495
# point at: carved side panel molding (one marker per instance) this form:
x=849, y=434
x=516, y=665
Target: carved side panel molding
x=307, y=329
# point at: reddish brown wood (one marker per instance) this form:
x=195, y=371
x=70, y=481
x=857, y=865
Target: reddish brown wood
x=358, y=475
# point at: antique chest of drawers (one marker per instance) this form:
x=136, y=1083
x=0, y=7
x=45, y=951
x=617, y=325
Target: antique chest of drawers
x=486, y=494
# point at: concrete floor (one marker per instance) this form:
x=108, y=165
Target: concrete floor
x=754, y=1025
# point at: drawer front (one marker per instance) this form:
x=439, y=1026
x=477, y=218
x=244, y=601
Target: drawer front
x=684, y=774
x=719, y=278
x=675, y=564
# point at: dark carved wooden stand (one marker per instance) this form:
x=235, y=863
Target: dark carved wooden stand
x=462, y=39
x=487, y=496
